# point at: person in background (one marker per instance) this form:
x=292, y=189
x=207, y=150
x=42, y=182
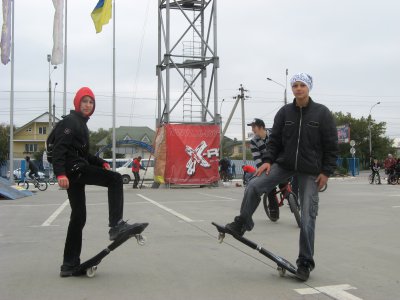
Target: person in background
x=258, y=147
x=33, y=169
x=233, y=166
x=375, y=167
x=136, y=167
x=389, y=164
x=223, y=169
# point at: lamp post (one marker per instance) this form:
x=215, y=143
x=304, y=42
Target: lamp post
x=50, y=72
x=284, y=86
x=369, y=128
x=54, y=105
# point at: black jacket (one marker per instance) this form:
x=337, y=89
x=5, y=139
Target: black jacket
x=32, y=167
x=71, y=146
x=304, y=139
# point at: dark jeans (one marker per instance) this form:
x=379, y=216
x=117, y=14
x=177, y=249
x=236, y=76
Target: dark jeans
x=308, y=194
x=33, y=173
x=377, y=174
x=90, y=175
x=136, y=180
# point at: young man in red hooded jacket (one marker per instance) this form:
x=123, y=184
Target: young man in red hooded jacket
x=75, y=167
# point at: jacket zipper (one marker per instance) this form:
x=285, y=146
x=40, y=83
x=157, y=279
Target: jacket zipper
x=298, y=139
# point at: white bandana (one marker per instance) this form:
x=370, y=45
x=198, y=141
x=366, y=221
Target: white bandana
x=302, y=77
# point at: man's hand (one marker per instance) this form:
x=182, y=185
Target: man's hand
x=106, y=166
x=264, y=167
x=321, y=180
x=63, y=181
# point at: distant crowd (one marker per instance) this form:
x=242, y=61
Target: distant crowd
x=391, y=166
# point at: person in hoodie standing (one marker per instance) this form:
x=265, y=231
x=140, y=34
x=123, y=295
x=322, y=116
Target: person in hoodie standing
x=303, y=143
x=75, y=168
x=136, y=167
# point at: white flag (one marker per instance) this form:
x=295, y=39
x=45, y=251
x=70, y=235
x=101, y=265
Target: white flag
x=5, y=43
x=58, y=33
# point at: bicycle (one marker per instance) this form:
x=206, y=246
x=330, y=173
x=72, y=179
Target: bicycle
x=285, y=192
x=51, y=180
x=394, y=178
x=225, y=176
x=372, y=179
x=37, y=183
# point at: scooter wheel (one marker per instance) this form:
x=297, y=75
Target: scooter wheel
x=221, y=237
x=281, y=271
x=91, y=271
x=141, y=240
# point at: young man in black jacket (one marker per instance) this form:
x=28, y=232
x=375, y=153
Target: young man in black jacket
x=303, y=142
x=75, y=167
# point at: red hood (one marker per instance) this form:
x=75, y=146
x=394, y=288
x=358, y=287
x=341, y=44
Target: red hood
x=82, y=92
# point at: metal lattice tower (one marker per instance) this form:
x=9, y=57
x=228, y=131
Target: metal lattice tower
x=190, y=25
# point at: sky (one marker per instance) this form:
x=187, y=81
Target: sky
x=351, y=49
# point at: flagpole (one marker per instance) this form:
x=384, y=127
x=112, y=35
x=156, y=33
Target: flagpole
x=113, y=104
x=65, y=61
x=11, y=155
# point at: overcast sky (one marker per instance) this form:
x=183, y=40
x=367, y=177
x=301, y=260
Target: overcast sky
x=350, y=47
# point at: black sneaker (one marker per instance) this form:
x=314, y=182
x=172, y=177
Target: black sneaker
x=303, y=272
x=120, y=228
x=68, y=270
x=237, y=226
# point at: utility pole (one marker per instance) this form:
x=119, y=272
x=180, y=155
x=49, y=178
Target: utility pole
x=50, y=72
x=242, y=97
x=54, y=105
x=287, y=71
x=48, y=60
x=370, y=129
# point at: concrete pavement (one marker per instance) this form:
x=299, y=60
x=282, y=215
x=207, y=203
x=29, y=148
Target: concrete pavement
x=357, y=246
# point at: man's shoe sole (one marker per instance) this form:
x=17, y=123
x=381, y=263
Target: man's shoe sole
x=302, y=277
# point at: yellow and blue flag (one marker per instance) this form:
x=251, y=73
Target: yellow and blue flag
x=101, y=14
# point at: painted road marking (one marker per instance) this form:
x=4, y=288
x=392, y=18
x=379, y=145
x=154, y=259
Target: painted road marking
x=171, y=211
x=222, y=197
x=55, y=214
x=396, y=206
x=336, y=291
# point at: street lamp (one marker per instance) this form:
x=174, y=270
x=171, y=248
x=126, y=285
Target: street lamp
x=284, y=86
x=369, y=128
x=50, y=72
x=54, y=105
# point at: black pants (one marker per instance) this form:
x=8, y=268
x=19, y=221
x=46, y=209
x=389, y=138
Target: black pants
x=376, y=173
x=136, y=180
x=33, y=173
x=91, y=175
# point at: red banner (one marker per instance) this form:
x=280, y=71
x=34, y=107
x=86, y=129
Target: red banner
x=192, y=154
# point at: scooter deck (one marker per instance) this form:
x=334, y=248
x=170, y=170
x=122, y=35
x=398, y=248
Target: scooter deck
x=283, y=264
x=89, y=267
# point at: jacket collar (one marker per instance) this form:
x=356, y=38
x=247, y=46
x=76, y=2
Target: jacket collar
x=79, y=115
x=310, y=104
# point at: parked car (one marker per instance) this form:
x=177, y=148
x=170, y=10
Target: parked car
x=17, y=174
x=126, y=170
x=119, y=162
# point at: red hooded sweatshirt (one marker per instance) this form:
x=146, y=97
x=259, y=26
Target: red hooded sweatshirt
x=82, y=92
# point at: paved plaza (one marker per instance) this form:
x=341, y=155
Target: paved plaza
x=357, y=246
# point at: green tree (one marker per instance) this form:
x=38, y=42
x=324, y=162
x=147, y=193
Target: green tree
x=4, y=142
x=381, y=144
x=95, y=137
